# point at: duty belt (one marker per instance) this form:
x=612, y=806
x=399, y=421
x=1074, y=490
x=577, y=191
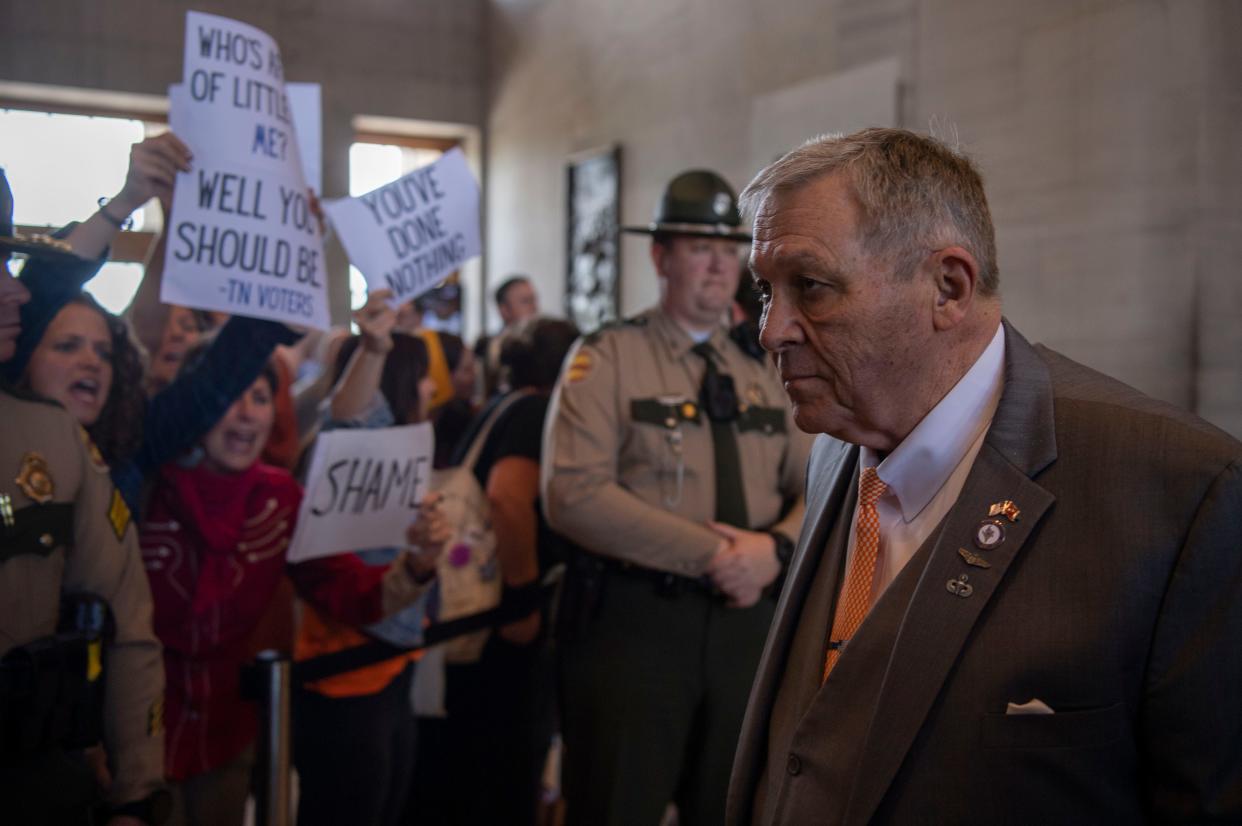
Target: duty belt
x=666, y=584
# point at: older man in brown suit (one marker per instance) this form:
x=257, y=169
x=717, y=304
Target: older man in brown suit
x=1017, y=597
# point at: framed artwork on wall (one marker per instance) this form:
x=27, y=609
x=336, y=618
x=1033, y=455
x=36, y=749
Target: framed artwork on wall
x=593, y=256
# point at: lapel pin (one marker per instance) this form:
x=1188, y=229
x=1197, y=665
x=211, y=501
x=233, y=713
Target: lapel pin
x=6, y=510
x=960, y=587
x=1006, y=509
x=973, y=559
x=989, y=534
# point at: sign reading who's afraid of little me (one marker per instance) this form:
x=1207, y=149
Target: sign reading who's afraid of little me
x=363, y=490
x=408, y=235
x=242, y=238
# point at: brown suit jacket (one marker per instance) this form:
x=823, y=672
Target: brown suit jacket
x=1115, y=599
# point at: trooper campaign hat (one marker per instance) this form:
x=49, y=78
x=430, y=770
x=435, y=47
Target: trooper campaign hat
x=698, y=202
x=53, y=276
x=44, y=246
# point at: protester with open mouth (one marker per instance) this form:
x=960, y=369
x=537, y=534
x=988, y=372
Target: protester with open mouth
x=213, y=541
x=72, y=351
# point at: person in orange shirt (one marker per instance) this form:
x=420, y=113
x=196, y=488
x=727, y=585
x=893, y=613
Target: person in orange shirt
x=353, y=733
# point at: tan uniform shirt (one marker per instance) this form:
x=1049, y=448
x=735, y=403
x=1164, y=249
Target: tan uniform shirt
x=629, y=467
x=44, y=453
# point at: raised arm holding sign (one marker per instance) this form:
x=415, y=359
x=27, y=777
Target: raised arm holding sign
x=408, y=235
x=363, y=490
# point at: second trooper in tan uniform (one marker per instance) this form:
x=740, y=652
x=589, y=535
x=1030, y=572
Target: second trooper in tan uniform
x=65, y=532
x=672, y=460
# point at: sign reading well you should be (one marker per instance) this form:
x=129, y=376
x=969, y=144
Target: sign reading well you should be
x=408, y=235
x=242, y=238
x=363, y=490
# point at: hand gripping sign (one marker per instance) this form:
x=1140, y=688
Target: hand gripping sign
x=363, y=490
x=408, y=235
x=241, y=238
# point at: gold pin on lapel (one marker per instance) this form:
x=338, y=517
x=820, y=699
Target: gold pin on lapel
x=973, y=559
x=35, y=479
x=1006, y=509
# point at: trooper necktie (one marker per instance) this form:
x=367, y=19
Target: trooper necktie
x=855, y=599
x=719, y=401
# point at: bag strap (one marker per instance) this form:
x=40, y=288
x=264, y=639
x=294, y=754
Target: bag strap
x=480, y=438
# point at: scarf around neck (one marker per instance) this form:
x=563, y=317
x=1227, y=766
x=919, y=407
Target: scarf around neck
x=215, y=504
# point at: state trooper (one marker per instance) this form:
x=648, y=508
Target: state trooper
x=79, y=661
x=673, y=461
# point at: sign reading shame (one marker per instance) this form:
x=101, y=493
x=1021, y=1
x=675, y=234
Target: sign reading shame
x=363, y=490
x=408, y=235
x=242, y=238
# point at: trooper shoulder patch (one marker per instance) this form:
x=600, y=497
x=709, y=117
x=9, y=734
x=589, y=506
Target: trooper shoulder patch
x=580, y=367
x=92, y=450
x=155, y=718
x=118, y=514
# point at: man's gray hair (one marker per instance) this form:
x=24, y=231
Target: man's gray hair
x=915, y=194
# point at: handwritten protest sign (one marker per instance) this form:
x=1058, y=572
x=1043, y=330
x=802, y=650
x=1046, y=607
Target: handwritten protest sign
x=363, y=490
x=408, y=235
x=306, y=107
x=242, y=238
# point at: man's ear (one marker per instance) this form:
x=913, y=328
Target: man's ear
x=658, y=251
x=955, y=275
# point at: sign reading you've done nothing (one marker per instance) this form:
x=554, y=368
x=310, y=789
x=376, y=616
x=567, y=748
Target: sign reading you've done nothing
x=242, y=238
x=363, y=490
x=408, y=235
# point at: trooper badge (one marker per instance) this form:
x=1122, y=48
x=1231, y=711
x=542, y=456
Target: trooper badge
x=35, y=479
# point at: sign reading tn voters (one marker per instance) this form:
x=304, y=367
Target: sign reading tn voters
x=363, y=490
x=242, y=238
x=408, y=235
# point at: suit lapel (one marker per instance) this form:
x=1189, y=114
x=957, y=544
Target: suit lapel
x=938, y=621
x=837, y=470
x=829, y=475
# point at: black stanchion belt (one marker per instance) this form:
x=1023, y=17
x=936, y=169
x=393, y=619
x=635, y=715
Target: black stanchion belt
x=517, y=603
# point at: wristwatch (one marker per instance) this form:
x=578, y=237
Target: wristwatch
x=784, y=549
x=784, y=555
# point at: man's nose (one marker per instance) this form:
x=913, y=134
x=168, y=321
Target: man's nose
x=779, y=325
x=12, y=291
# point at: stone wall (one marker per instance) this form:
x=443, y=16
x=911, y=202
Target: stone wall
x=1106, y=129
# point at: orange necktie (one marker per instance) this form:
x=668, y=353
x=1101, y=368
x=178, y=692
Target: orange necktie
x=855, y=599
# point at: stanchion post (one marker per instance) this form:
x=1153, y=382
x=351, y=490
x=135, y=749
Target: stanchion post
x=271, y=792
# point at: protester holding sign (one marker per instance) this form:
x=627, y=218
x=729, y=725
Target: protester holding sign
x=75, y=352
x=214, y=544
x=354, y=736
x=483, y=763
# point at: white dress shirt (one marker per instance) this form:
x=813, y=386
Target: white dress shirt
x=925, y=473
